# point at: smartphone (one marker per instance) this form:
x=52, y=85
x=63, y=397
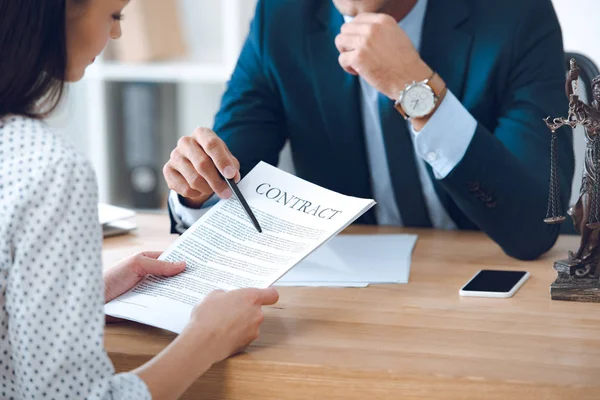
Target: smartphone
x=494, y=283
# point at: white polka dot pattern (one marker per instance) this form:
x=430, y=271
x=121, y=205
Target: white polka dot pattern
x=51, y=287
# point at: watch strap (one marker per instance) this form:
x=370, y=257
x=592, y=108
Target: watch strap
x=436, y=83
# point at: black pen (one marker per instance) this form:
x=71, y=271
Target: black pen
x=242, y=200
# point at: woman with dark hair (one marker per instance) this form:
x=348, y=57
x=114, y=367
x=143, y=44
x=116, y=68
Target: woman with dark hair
x=52, y=287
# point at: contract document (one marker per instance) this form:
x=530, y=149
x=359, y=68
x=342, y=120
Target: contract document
x=224, y=251
x=355, y=261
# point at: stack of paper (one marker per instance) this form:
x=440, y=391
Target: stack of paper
x=223, y=250
x=115, y=220
x=355, y=261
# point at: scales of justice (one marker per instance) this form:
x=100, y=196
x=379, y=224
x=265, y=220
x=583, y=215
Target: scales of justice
x=579, y=275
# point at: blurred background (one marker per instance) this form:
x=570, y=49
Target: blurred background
x=166, y=75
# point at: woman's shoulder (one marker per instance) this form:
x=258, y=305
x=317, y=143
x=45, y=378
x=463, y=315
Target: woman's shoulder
x=27, y=144
x=33, y=155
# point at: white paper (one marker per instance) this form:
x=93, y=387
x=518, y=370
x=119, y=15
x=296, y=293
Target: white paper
x=323, y=284
x=108, y=213
x=223, y=250
x=356, y=258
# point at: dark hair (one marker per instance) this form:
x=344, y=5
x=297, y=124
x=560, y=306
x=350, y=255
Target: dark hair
x=33, y=56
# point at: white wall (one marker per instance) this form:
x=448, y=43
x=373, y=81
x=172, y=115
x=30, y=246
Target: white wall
x=579, y=21
x=70, y=117
x=581, y=33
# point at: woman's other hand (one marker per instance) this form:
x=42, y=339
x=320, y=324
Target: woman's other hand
x=126, y=274
x=231, y=320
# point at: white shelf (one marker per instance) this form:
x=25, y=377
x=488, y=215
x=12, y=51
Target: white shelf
x=167, y=72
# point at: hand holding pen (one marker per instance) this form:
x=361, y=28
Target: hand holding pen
x=202, y=165
x=196, y=165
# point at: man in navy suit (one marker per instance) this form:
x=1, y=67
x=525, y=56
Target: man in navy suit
x=433, y=108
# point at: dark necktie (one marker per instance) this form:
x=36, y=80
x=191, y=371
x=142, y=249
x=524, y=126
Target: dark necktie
x=403, y=166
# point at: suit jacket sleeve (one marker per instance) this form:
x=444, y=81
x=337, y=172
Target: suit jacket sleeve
x=249, y=118
x=502, y=182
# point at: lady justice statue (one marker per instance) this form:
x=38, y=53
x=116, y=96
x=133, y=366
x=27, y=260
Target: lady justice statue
x=578, y=276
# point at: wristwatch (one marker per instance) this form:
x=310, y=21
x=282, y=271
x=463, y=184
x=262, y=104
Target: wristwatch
x=420, y=99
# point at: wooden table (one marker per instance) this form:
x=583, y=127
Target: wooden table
x=414, y=341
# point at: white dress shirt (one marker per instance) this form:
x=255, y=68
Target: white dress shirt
x=442, y=143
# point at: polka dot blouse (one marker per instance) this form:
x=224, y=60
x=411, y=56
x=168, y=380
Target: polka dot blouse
x=51, y=287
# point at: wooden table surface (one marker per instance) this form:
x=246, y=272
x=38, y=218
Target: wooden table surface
x=415, y=341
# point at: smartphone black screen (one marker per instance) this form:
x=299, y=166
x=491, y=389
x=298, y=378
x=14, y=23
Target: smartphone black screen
x=494, y=281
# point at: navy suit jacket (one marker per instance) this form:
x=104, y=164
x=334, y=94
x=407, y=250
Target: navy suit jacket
x=502, y=59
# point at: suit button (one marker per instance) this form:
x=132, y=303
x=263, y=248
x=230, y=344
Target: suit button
x=474, y=187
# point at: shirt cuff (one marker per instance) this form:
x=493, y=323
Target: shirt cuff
x=444, y=140
x=129, y=386
x=188, y=216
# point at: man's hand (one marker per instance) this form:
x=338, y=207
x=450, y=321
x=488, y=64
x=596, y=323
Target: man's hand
x=129, y=272
x=194, y=166
x=376, y=48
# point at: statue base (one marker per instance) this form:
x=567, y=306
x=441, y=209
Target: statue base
x=576, y=282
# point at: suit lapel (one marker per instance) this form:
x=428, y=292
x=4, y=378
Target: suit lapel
x=446, y=48
x=338, y=94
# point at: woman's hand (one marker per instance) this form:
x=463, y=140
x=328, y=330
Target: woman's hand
x=129, y=272
x=231, y=320
x=223, y=324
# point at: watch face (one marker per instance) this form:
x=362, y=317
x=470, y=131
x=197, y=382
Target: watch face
x=418, y=100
